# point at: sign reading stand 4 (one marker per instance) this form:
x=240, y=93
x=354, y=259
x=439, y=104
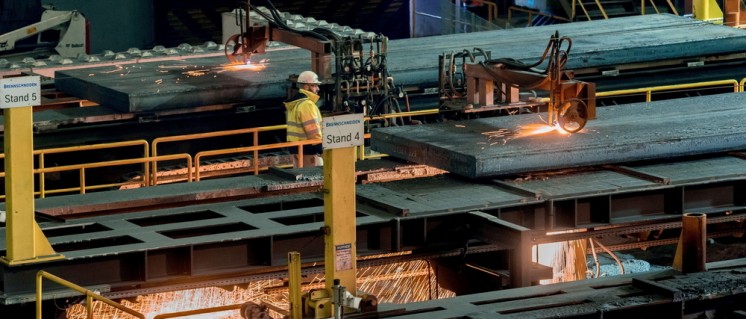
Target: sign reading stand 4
x=20, y=91
x=342, y=131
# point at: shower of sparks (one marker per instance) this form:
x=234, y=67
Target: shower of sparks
x=563, y=257
x=249, y=66
x=502, y=135
x=402, y=282
x=539, y=129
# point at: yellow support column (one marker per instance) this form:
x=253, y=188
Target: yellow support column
x=25, y=242
x=339, y=217
x=294, y=285
x=341, y=135
x=707, y=10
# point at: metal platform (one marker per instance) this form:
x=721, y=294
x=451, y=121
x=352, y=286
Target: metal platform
x=234, y=230
x=604, y=45
x=659, y=294
x=624, y=133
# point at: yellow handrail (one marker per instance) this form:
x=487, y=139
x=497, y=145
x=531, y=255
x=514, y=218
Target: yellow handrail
x=246, y=149
x=601, y=8
x=180, y=138
x=492, y=11
x=89, y=296
x=582, y=7
x=150, y=179
x=69, y=149
x=81, y=168
x=649, y=90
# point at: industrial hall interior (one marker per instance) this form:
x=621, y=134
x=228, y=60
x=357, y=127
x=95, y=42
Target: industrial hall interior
x=424, y=159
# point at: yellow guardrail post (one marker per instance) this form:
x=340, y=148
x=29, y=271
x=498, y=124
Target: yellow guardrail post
x=601, y=8
x=707, y=10
x=82, y=180
x=294, y=283
x=44, y=152
x=492, y=11
x=25, y=242
x=42, y=182
x=81, y=168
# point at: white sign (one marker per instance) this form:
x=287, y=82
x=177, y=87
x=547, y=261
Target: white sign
x=20, y=91
x=342, y=131
x=342, y=257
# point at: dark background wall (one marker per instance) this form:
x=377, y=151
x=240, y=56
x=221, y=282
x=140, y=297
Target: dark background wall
x=114, y=24
x=121, y=24
x=196, y=21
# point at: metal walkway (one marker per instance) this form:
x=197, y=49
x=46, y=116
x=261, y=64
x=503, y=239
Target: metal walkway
x=235, y=230
x=660, y=294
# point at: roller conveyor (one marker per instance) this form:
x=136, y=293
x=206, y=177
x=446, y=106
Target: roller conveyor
x=598, y=45
x=624, y=133
x=664, y=293
x=234, y=230
x=161, y=235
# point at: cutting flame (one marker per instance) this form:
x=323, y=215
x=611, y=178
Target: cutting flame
x=248, y=66
x=561, y=130
x=539, y=129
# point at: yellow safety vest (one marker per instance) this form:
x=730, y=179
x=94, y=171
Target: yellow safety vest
x=304, y=120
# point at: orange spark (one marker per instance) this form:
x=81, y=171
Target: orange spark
x=248, y=66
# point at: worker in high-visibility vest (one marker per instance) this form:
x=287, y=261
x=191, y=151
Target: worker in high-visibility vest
x=304, y=119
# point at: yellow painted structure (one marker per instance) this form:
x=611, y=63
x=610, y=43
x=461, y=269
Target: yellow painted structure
x=707, y=10
x=294, y=283
x=25, y=242
x=339, y=217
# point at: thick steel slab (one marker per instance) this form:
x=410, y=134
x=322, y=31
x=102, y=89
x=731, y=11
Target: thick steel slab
x=597, y=44
x=163, y=85
x=624, y=133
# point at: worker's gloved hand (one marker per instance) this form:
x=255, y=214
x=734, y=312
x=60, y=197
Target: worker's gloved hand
x=2, y=216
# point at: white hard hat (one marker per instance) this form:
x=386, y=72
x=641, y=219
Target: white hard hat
x=308, y=77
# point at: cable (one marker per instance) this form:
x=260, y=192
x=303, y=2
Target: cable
x=621, y=267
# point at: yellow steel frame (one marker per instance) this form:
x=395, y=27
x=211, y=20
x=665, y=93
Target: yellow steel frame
x=340, y=217
x=294, y=283
x=25, y=242
x=707, y=10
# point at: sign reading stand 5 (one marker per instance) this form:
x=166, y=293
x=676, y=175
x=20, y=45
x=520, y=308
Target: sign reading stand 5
x=342, y=131
x=20, y=91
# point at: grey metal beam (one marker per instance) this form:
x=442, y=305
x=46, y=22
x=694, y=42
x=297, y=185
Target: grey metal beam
x=181, y=242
